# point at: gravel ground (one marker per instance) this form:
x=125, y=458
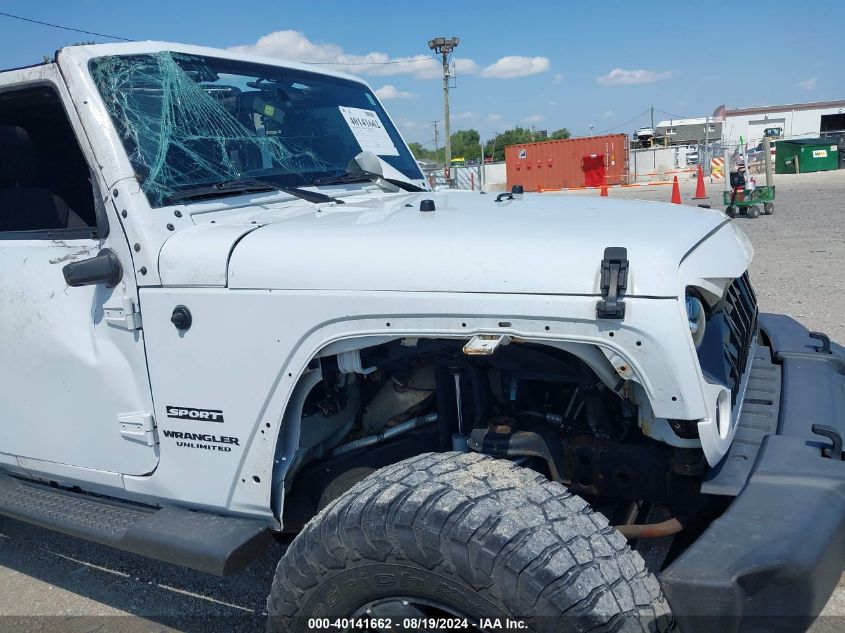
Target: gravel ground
x=799, y=251
x=48, y=580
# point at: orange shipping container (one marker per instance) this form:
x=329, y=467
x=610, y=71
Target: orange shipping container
x=590, y=161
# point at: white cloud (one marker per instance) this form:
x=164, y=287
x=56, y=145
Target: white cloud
x=295, y=46
x=463, y=65
x=492, y=118
x=406, y=124
x=552, y=103
x=534, y=118
x=808, y=84
x=607, y=113
x=462, y=116
x=460, y=66
x=558, y=78
x=619, y=76
x=389, y=91
x=516, y=66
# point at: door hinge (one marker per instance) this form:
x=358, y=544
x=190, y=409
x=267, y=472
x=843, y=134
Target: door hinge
x=138, y=426
x=614, y=282
x=121, y=312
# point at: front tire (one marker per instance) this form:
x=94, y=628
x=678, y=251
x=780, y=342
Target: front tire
x=464, y=535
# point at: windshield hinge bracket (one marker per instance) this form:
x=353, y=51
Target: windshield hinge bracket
x=614, y=282
x=121, y=312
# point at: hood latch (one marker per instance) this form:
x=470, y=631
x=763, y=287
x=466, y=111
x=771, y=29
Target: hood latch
x=614, y=282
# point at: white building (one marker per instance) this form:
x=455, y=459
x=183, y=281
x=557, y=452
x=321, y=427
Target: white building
x=799, y=120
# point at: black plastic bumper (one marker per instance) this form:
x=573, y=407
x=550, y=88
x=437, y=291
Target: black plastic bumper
x=772, y=560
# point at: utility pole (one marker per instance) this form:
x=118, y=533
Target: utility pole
x=481, y=166
x=436, y=142
x=444, y=48
x=653, y=131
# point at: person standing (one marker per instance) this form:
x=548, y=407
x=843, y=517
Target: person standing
x=737, y=179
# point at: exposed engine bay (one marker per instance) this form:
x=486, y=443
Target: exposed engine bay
x=542, y=407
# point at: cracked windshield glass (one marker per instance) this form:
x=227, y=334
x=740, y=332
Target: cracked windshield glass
x=188, y=121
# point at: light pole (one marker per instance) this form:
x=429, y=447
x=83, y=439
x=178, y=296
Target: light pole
x=444, y=47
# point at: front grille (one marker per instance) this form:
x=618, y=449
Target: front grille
x=740, y=310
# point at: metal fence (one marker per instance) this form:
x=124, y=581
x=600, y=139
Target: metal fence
x=467, y=178
x=664, y=163
x=708, y=153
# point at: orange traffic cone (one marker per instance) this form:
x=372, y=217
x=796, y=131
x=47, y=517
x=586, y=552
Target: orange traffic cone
x=676, y=192
x=700, y=193
x=603, y=192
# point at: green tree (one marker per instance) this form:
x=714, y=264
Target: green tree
x=416, y=149
x=466, y=144
x=495, y=147
x=420, y=152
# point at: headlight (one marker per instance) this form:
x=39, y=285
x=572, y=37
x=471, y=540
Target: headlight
x=696, y=319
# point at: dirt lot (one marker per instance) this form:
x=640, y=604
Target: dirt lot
x=48, y=580
x=799, y=251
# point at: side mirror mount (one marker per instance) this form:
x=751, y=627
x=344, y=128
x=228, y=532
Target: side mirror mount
x=369, y=164
x=366, y=162
x=105, y=269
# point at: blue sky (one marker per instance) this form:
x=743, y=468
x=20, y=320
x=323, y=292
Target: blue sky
x=546, y=64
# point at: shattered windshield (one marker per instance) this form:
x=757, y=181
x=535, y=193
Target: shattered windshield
x=187, y=121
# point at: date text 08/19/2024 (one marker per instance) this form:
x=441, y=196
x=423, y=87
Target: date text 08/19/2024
x=415, y=624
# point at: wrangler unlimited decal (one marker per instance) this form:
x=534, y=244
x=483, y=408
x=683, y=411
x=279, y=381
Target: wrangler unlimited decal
x=201, y=440
x=188, y=413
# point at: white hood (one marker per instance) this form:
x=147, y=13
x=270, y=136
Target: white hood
x=541, y=244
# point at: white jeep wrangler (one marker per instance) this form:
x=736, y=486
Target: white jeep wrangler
x=232, y=309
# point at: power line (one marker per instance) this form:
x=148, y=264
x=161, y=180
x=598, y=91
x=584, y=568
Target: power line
x=126, y=39
x=65, y=28
x=673, y=116
x=615, y=127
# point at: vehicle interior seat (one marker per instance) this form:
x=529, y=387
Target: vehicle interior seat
x=23, y=205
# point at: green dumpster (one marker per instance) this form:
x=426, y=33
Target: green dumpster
x=806, y=154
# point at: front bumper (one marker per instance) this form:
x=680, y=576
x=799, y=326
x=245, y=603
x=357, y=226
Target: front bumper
x=772, y=560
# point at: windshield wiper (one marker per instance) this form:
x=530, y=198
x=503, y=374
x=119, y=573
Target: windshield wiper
x=244, y=185
x=365, y=176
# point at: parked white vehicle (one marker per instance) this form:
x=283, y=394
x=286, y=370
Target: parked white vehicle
x=645, y=135
x=692, y=155
x=232, y=307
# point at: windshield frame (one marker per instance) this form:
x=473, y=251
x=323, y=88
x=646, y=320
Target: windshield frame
x=404, y=161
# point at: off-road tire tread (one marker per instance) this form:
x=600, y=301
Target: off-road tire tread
x=523, y=542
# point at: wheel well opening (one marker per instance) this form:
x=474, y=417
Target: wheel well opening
x=558, y=411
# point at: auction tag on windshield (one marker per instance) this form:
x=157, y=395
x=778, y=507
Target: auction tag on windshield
x=368, y=130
